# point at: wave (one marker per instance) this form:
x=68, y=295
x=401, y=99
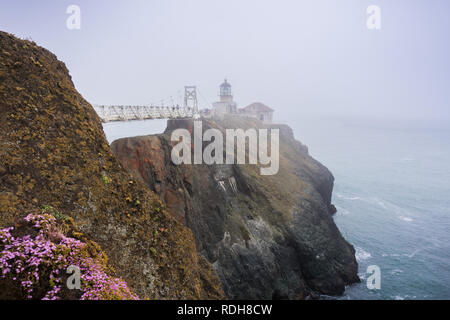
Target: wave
x=396, y=272
x=407, y=297
x=384, y=255
x=396, y=255
x=411, y=255
x=341, y=196
x=361, y=254
x=372, y=200
x=342, y=210
x=407, y=219
x=401, y=213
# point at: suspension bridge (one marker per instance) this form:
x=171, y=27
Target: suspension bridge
x=189, y=109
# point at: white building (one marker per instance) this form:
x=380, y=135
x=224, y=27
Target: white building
x=258, y=110
x=226, y=105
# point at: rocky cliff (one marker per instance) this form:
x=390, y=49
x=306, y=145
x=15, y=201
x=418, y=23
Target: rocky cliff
x=53, y=154
x=266, y=236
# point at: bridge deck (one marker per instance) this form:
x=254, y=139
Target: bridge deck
x=128, y=113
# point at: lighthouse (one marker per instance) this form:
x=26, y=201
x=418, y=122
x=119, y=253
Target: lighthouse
x=225, y=105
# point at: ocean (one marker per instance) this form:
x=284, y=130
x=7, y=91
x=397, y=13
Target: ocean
x=392, y=192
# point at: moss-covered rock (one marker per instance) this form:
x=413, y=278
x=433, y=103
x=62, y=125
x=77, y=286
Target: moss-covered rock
x=53, y=152
x=267, y=236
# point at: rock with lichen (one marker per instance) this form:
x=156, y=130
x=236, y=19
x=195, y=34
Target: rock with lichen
x=266, y=236
x=53, y=153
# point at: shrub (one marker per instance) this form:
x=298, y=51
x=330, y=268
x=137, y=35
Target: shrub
x=34, y=259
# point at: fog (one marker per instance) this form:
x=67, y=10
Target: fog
x=302, y=58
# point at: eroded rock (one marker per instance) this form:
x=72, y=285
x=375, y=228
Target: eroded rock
x=266, y=236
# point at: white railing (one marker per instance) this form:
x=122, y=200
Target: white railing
x=129, y=113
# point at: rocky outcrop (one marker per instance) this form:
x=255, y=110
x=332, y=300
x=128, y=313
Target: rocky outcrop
x=266, y=236
x=53, y=153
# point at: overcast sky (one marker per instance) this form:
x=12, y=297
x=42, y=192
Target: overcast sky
x=299, y=57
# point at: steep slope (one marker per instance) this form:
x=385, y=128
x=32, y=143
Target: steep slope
x=267, y=236
x=53, y=152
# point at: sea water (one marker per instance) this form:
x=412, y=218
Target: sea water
x=392, y=192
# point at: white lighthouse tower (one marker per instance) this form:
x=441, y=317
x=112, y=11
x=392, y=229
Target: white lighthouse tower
x=225, y=105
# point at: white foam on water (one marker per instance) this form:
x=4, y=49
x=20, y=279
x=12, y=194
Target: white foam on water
x=361, y=254
x=412, y=254
x=378, y=202
x=407, y=219
x=347, y=197
x=391, y=255
x=398, y=211
x=343, y=211
x=409, y=255
x=396, y=272
x=404, y=297
x=362, y=276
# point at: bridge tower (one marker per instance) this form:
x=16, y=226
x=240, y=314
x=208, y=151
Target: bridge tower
x=190, y=98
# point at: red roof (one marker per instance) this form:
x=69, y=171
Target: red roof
x=259, y=107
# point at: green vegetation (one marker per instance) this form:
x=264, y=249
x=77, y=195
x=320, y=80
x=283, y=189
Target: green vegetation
x=55, y=213
x=105, y=179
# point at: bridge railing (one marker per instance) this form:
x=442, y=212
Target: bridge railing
x=129, y=113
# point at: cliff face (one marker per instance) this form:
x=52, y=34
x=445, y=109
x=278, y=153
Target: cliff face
x=266, y=236
x=53, y=153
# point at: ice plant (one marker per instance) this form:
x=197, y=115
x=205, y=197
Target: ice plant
x=37, y=263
